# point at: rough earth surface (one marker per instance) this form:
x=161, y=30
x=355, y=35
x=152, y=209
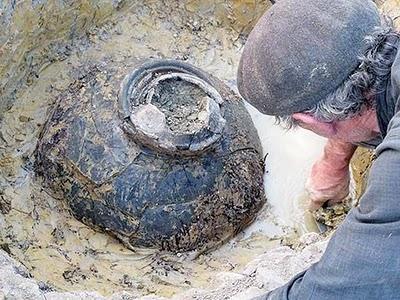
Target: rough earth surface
x=268, y=271
x=62, y=257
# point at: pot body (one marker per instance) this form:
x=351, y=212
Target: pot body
x=130, y=160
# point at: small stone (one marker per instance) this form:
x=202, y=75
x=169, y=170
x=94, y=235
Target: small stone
x=24, y=119
x=202, y=116
x=310, y=238
x=249, y=293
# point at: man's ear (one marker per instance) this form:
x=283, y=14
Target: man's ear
x=326, y=129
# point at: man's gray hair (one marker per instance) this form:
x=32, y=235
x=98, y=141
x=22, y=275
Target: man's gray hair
x=368, y=80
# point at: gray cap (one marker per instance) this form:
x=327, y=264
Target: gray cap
x=301, y=51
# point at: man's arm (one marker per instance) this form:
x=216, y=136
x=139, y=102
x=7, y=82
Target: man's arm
x=362, y=259
x=330, y=175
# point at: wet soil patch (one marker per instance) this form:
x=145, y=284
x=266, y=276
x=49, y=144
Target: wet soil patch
x=183, y=104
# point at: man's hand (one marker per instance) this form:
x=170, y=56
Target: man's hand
x=330, y=175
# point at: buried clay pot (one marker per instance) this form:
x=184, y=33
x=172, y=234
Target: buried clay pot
x=160, y=154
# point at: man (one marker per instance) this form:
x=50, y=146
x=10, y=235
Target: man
x=332, y=67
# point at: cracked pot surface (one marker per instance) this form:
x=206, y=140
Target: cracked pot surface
x=183, y=171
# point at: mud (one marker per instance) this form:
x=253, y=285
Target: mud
x=183, y=117
x=36, y=229
x=36, y=34
x=360, y=165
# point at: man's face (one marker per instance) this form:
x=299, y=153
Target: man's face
x=360, y=128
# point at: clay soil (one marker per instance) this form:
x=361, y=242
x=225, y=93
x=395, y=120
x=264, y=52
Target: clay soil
x=65, y=255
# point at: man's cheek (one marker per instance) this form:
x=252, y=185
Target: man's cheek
x=317, y=130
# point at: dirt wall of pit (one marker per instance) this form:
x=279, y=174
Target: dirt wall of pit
x=35, y=41
x=36, y=33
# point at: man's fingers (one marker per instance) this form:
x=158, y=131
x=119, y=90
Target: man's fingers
x=316, y=204
x=316, y=200
x=313, y=206
x=336, y=201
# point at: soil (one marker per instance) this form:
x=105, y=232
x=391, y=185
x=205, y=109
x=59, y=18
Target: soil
x=182, y=110
x=65, y=256
x=38, y=229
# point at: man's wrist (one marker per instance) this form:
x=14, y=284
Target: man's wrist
x=338, y=153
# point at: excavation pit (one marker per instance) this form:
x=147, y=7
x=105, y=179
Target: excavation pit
x=62, y=254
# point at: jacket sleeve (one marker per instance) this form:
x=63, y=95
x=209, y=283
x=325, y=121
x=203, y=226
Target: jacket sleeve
x=362, y=259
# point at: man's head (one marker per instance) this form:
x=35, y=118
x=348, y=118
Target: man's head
x=318, y=63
